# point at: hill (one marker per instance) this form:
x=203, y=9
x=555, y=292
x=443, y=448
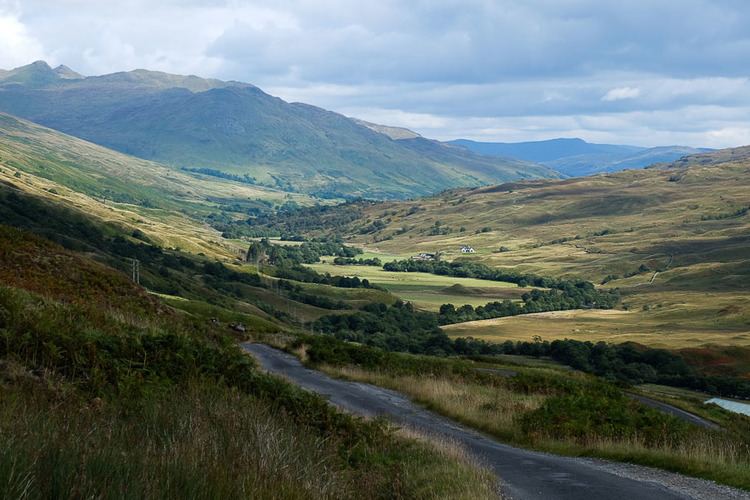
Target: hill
x=169, y=205
x=90, y=356
x=576, y=157
x=98, y=375
x=236, y=128
x=722, y=156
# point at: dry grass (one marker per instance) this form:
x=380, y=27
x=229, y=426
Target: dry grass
x=653, y=328
x=485, y=482
x=495, y=409
x=203, y=443
x=598, y=226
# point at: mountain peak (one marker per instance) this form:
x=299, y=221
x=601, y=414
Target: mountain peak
x=38, y=65
x=36, y=74
x=65, y=72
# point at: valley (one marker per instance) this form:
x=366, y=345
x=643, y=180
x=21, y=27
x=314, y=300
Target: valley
x=186, y=255
x=672, y=240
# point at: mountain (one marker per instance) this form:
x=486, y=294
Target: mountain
x=236, y=128
x=576, y=157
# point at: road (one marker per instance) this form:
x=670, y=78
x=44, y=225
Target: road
x=523, y=474
x=667, y=408
x=675, y=412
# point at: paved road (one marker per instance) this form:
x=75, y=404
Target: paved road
x=524, y=474
x=667, y=408
x=675, y=412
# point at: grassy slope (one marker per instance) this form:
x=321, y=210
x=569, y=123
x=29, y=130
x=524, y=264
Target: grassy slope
x=164, y=203
x=238, y=128
x=93, y=368
x=679, y=221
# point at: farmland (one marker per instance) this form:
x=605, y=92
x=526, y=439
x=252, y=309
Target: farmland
x=429, y=291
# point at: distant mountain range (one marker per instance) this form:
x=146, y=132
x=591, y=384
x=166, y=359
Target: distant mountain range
x=235, y=128
x=576, y=157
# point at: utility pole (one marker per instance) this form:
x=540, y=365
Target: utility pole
x=136, y=271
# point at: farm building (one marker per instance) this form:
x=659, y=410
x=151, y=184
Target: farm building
x=467, y=249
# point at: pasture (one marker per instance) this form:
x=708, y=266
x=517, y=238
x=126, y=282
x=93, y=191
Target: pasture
x=429, y=291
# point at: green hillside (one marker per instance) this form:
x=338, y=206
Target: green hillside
x=167, y=204
x=108, y=390
x=237, y=128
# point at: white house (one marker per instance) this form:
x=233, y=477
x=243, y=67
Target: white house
x=466, y=249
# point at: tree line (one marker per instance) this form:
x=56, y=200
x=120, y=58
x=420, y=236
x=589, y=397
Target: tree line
x=579, y=295
x=351, y=261
x=401, y=328
x=464, y=269
x=307, y=275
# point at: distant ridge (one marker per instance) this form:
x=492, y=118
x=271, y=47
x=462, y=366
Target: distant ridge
x=237, y=129
x=729, y=155
x=575, y=157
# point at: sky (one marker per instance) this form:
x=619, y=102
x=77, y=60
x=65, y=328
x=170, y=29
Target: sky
x=644, y=72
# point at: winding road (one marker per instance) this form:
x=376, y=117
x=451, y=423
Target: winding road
x=523, y=474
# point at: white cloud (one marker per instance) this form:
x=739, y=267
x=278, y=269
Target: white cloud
x=621, y=93
x=17, y=46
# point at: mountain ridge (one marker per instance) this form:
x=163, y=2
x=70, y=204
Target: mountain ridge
x=575, y=157
x=187, y=121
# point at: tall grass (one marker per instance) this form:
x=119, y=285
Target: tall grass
x=199, y=442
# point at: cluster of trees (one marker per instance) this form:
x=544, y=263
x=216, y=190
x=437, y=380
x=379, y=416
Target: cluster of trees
x=351, y=261
x=307, y=275
x=306, y=253
x=399, y=328
x=464, y=269
x=628, y=363
x=579, y=295
x=296, y=293
x=299, y=220
x=245, y=178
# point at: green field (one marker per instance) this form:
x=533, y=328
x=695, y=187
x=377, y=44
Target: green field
x=429, y=291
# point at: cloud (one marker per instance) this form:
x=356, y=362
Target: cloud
x=17, y=46
x=620, y=93
x=434, y=64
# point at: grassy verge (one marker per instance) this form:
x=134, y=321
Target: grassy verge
x=566, y=413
